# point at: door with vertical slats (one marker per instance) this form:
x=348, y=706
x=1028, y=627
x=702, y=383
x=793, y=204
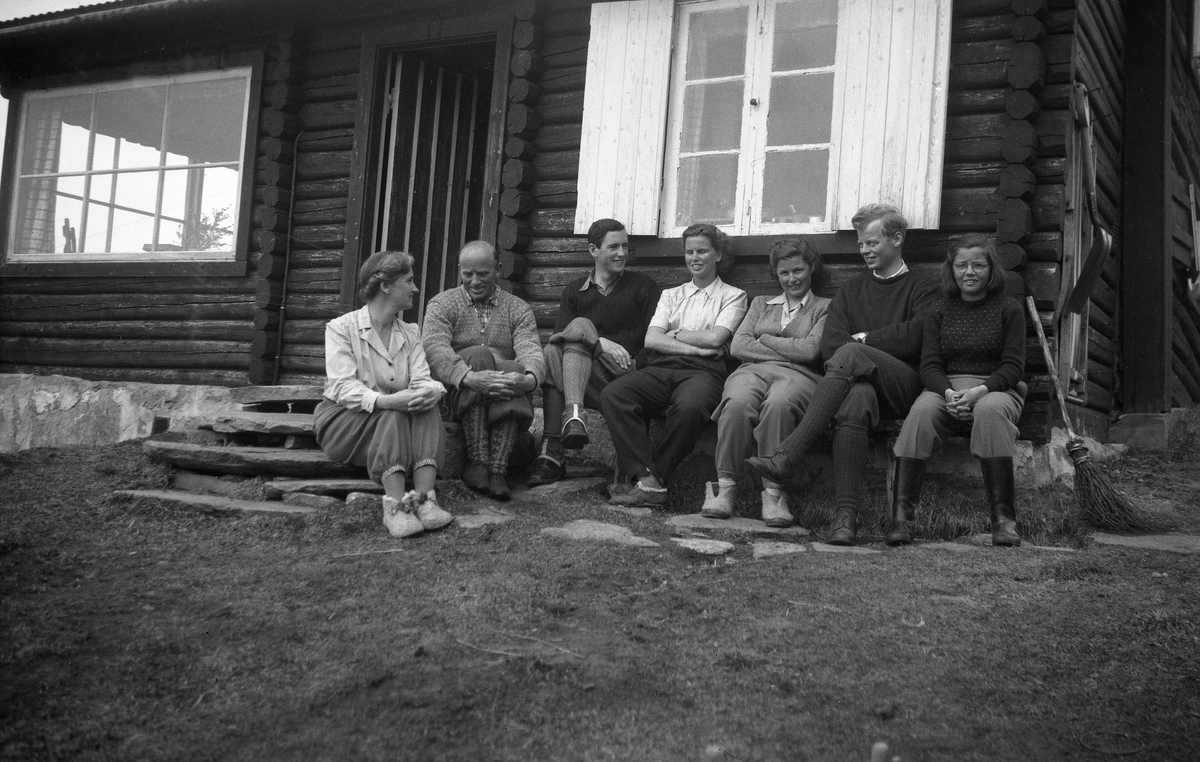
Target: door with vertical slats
x=432, y=160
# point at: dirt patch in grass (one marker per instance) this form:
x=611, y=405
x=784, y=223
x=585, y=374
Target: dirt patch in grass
x=135, y=631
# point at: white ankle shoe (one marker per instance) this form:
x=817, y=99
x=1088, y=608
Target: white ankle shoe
x=431, y=515
x=718, y=504
x=398, y=516
x=775, y=511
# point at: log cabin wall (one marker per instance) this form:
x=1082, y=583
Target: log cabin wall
x=190, y=327
x=1183, y=178
x=1004, y=170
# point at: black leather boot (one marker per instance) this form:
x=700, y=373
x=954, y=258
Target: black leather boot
x=844, y=528
x=906, y=493
x=999, y=485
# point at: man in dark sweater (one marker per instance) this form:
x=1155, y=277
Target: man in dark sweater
x=601, y=327
x=872, y=347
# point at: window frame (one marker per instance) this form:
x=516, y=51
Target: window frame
x=752, y=148
x=151, y=264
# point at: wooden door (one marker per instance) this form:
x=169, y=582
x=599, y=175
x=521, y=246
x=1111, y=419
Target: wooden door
x=433, y=158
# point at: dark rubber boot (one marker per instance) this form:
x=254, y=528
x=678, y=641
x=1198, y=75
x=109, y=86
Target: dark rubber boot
x=1000, y=488
x=906, y=493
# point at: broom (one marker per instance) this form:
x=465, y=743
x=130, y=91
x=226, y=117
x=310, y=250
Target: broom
x=1100, y=504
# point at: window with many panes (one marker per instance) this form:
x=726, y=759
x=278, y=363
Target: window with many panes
x=140, y=170
x=751, y=112
x=764, y=117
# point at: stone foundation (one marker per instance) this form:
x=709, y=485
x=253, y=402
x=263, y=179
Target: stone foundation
x=58, y=411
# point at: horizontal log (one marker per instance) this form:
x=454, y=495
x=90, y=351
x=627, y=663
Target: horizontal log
x=524, y=91
x=527, y=64
x=323, y=165
x=332, y=187
x=301, y=258
x=331, y=63
x=272, y=266
x=275, y=149
x=207, y=377
x=289, y=376
x=303, y=332
x=559, y=137
x=1017, y=181
x=970, y=209
x=523, y=121
x=253, y=395
x=304, y=367
x=283, y=96
x=561, y=108
x=315, y=281
x=326, y=115
x=317, y=141
x=168, y=306
x=515, y=203
x=198, y=330
x=318, y=236
x=557, y=165
x=527, y=35
x=552, y=222
x=336, y=88
x=314, y=307
x=279, y=124
x=133, y=353
x=319, y=211
x=265, y=320
x=567, y=22
x=112, y=288
x=563, y=79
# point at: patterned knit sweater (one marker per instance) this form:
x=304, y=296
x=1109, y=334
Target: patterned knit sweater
x=984, y=338
x=451, y=325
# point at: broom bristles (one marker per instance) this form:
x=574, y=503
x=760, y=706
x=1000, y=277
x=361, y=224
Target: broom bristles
x=1100, y=504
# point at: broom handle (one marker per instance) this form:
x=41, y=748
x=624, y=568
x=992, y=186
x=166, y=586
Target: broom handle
x=1050, y=364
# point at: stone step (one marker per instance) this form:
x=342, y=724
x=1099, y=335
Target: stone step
x=262, y=423
x=251, y=395
x=338, y=487
x=248, y=461
x=215, y=504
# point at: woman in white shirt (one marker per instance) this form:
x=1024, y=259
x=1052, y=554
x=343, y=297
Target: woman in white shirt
x=680, y=372
x=779, y=344
x=381, y=404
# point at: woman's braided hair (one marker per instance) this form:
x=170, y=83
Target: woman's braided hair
x=382, y=267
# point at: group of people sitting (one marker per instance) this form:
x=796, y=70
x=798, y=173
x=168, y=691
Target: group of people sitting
x=774, y=374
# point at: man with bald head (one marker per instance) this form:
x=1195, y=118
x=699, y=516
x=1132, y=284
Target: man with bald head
x=482, y=343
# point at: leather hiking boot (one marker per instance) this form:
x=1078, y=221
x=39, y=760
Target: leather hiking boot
x=546, y=470
x=398, y=517
x=638, y=495
x=718, y=503
x=775, y=512
x=843, y=529
x=906, y=493
x=432, y=515
x=777, y=467
x=998, y=482
x=574, y=430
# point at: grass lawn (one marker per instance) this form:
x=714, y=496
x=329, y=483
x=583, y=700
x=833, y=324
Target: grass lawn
x=133, y=631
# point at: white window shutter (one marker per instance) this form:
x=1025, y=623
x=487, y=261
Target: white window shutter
x=890, y=105
x=625, y=114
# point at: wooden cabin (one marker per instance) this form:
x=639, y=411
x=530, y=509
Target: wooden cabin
x=191, y=184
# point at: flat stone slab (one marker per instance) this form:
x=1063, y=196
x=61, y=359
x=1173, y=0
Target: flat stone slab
x=821, y=547
x=560, y=487
x=215, y=504
x=277, y=487
x=598, y=531
x=735, y=524
x=704, y=547
x=1173, y=543
x=249, y=395
x=769, y=549
x=483, y=517
x=217, y=485
x=262, y=423
x=249, y=461
x=364, y=501
x=320, y=502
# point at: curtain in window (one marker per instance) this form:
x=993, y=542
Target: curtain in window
x=35, y=212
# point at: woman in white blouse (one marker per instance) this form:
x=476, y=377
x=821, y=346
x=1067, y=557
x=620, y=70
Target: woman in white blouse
x=764, y=399
x=381, y=404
